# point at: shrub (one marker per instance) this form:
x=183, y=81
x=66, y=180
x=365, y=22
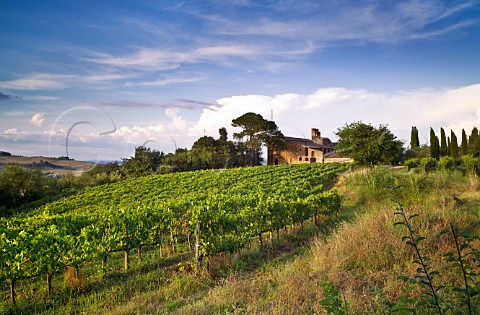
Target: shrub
x=412, y=163
x=446, y=163
x=471, y=164
x=429, y=164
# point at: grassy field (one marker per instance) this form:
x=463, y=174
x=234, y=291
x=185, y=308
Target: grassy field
x=360, y=251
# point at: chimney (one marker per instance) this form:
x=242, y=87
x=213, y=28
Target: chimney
x=315, y=134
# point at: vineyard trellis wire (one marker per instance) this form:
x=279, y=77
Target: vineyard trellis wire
x=233, y=205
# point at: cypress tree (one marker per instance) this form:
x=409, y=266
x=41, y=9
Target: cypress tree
x=464, y=143
x=473, y=145
x=414, y=142
x=448, y=146
x=443, y=143
x=434, y=147
x=453, y=145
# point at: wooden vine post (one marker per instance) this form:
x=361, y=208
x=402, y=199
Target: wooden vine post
x=126, y=259
x=198, y=259
x=172, y=240
x=12, y=291
x=126, y=249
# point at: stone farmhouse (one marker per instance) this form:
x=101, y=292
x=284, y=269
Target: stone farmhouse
x=299, y=150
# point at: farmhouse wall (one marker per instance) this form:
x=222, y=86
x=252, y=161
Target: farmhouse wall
x=300, y=150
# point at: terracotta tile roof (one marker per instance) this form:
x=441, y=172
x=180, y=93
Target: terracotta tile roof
x=308, y=143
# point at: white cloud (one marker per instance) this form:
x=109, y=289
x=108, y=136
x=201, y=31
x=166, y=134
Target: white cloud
x=326, y=109
x=225, y=51
x=41, y=98
x=144, y=58
x=107, y=77
x=330, y=108
x=38, y=119
x=152, y=59
x=178, y=122
x=38, y=81
x=12, y=131
x=52, y=81
x=140, y=134
x=166, y=81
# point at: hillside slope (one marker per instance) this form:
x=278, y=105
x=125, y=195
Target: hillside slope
x=152, y=216
x=47, y=164
x=365, y=256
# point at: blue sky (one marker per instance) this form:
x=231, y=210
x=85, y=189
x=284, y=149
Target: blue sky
x=112, y=75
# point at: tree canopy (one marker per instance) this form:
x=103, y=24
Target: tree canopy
x=144, y=162
x=369, y=145
x=257, y=131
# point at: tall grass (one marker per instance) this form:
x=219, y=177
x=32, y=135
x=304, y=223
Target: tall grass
x=364, y=258
x=367, y=258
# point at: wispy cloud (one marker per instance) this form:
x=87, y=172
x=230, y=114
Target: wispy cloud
x=269, y=34
x=38, y=81
x=41, y=98
x=165, y=81
x=151, y=59
x=355, y=21
x=144, y=59
x=175, y=6
x=178, y=103
x=55, y=81
x=107, y=77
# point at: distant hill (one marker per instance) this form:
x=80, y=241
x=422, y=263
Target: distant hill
x=58, y=166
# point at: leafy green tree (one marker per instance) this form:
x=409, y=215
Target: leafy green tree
x=181, y=161
x=223, y=134
x=443, y=143
x=473, y=143
x=453, y=145
x=102, y=174
x=20, y=185
x=369, y=145
x=414, y=142
x=145, y=162
x=205, y=148
x=257, y=131
x=212, y=153
x=434, y=145
x=464, y=143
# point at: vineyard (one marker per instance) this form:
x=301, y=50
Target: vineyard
x=210, y=211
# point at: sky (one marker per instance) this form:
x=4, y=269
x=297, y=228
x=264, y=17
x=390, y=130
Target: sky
x=95, y=79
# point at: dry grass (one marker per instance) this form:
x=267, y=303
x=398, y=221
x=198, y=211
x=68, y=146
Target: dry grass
x=73, y=281
x=365, y=257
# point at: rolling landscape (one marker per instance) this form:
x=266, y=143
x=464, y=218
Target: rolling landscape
x=57, y=166
x=273, y=240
